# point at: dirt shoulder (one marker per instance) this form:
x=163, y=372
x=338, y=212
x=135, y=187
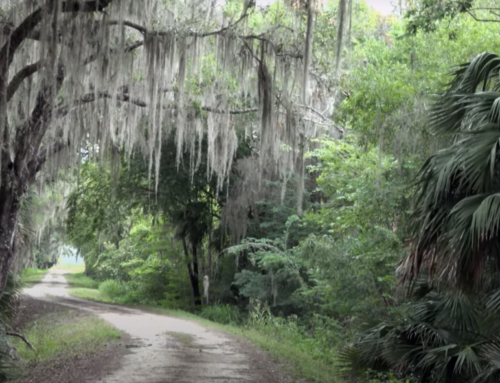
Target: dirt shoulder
x=78, y=367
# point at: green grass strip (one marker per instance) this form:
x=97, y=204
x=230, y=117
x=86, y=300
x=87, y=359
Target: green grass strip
x=31, y=276
x=81, y=280
x=64, y=335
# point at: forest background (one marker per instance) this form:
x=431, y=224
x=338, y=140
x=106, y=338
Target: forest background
x=324, y=279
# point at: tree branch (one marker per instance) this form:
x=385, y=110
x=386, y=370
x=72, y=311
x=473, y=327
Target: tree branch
x=129, y=24
x=29, y=70
x=91, y=97
x=17, y=37
x=20, y=76
x=22, y=338
x=63, y=110
x=128, y=49
x=6, y=29
x=23, y=31
x=233, y=112
x=134, y=46
x=324, y=120
x=229, y=26
x=87, y=6
x=483, y=20
x=145, y=31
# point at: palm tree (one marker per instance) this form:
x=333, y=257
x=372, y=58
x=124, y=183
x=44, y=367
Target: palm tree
x=456, y=217
x=453, y=263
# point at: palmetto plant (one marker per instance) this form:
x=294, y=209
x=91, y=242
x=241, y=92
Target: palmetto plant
x=453, y=263
x=449, y=336
x=456, y=219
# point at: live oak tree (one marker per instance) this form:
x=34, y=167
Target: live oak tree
x=121, y=74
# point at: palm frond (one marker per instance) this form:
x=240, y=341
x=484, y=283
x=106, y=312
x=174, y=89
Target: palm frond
x=456, y=215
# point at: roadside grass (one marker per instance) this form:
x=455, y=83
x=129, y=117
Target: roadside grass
x=296, y=354
x=297, y=359
x=69, y=267
x=89, y=293
x=80, y=280
x=32, y=276
x=64, y=335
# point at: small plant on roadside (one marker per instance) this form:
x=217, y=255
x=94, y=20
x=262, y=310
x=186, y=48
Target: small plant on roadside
x=81, y=280
x=113, y=289
x=223, y=314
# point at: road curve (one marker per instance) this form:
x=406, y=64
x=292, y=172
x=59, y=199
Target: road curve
x=165, y=349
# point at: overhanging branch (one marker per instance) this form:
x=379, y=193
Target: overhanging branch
x=224, y=29
x=475, y=17
x=64, y=110
x=129, y=24
x=233, y=112
x=128, y=49
x=16, y=38
x=91, y=97
x=146, y=31
x=30, y=69
x=87, y=6
x=26, y=28
x=20, y=76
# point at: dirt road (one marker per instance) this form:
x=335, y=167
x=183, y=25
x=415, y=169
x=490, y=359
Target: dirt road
x=169, y=350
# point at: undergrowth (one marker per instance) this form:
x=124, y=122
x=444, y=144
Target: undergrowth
x=81, y=280
x=90, y=294
x=112, y=289
x=223, y=314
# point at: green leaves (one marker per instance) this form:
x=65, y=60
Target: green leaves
x=445, y=338
x=425, y=15
x=456, y=219
x=361, y=187
x=275, y=271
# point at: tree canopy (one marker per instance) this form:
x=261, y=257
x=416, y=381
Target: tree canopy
x=120, y=75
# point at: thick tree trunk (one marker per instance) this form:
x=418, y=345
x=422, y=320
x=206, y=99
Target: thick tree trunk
x=9, y=210
x=19, y=152
x=193, y=275
x=196, y=280
x=196, y=289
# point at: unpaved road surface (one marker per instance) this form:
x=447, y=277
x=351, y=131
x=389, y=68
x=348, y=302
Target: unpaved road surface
x=168, y=350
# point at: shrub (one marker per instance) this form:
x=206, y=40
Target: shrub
x=223, y=314
x=81, y=280
x=112, y=289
